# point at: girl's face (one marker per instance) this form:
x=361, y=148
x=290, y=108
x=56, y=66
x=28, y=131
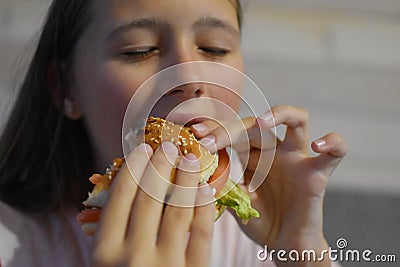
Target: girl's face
x=127, y=41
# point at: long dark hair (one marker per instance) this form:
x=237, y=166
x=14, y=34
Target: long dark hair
x=45, y=158
x=43, y=154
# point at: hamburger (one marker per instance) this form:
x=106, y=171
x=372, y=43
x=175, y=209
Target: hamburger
x=214, y=169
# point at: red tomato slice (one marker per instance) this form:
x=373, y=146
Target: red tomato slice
x=221, y=174
x=88, y=216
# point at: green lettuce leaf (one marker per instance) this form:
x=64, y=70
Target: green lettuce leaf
x=234, y=197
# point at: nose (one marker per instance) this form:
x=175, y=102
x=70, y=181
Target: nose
x=187, y=91
x=185, y=73
x=188, y=78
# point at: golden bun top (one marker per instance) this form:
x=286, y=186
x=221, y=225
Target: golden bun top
x=158, y=131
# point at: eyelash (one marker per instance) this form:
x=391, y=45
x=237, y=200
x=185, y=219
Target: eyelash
x=139, y=54
x=144, y=53
x=215, y=52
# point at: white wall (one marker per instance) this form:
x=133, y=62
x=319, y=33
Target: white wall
x=342, y=63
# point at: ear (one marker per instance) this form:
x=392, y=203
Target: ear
x=71, y=109
x=62, y=96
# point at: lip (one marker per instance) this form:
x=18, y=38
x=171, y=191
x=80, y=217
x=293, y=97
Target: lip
x=186, y=119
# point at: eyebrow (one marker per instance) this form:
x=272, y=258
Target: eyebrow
x=150, y=22
x=213, y=22
x=154, y=22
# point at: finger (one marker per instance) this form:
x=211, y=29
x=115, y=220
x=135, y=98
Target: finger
x=202, y=129
x=115, y=215
x=241, y=134
x=332, y=148
x=148, y=204
x=296, y=120
x=179, y=212
x=199, y=247
x=230, y=133
x=257, y=165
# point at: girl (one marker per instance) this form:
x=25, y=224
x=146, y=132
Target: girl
x=91, y=58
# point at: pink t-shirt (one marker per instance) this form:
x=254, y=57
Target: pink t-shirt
x=56, y=239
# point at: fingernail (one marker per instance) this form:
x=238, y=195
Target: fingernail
x=205, y=189
x=267, y=119
x=169, y=148
x=208, y=141
x=191, y=160
x=144, y=148
x=320, y=143
x=267, y=116
x=200, y=128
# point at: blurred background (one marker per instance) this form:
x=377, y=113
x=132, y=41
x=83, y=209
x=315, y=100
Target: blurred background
x=338, y=59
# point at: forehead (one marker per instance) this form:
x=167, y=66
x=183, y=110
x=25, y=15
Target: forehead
x=114, y=12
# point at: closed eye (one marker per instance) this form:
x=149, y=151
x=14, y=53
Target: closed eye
x=214, y=52
x=140, y=53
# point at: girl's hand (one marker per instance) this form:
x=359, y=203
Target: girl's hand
x=136, y=230
x=290, y=198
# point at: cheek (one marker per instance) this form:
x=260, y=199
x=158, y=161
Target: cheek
x=229, y=97
x=104, y=95
x=232, y=96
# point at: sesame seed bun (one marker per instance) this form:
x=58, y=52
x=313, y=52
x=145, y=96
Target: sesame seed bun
x=159, y=130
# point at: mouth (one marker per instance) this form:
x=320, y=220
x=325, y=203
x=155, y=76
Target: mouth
x=185, y=119
x=195, y=121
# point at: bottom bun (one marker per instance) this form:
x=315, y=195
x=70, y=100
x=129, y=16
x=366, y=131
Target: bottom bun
x=89, y=228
